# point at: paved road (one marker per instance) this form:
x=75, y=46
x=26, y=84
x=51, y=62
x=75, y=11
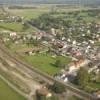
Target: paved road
x=30, y=70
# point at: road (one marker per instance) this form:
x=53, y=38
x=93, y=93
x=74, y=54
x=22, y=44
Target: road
x=29, y=69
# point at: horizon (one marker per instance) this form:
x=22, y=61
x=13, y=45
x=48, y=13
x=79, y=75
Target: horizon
x=28, y=2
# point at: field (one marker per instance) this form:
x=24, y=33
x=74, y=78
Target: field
x=6, y=93
x=45, y=62
x=14, y=26
x=28, y=13
x=36, y=12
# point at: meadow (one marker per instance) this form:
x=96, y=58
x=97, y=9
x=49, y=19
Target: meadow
x=45, y=62
x=15, y=26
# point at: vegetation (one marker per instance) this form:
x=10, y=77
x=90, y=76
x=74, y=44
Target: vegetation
x=29, y=13
x=60, y=63
x=98, y=78
x=58, y=88
x=18, y=27
x=74, y=98
x=39, y=96
x=6, y=93
x=34, y=42
x=85, y=80
x=82, y=78
x=64, y=19
x=45, y=62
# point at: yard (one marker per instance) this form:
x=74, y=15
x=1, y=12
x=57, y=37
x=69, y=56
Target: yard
x=6, y=93
x=45, y=62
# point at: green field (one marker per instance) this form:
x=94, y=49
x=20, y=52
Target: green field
x=36, y=12
x=28, y=13
x=14, y=26
x=6, y=93
x=45, y=62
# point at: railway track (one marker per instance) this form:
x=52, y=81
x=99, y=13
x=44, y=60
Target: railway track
x=29, y=69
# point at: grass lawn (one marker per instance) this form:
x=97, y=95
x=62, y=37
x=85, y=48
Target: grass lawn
x=6, y=93
x=45, y=62
x=18, y=47
x=16, y=27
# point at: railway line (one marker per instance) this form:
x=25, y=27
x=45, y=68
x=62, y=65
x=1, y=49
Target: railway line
x=33, y=71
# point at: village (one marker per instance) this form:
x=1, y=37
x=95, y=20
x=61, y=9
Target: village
x=67, y=50
x=84, y=49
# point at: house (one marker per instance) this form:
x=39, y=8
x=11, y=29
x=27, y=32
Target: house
x=75, y=65
x=94, y=66
x=57, y=43
x=6, y=39
x=77, y=53
x=74, y=42
x=12, y=34
x=53, y=31
x=97, y=94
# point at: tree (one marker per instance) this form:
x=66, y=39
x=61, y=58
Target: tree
x=39, y=96
x=25, y=26
x=58, y=36
x=33, y=42
x=53, y=98
x=73, y=98
x=82, y=77
x=58, y=88
x=58, y=63
x=98, y=79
